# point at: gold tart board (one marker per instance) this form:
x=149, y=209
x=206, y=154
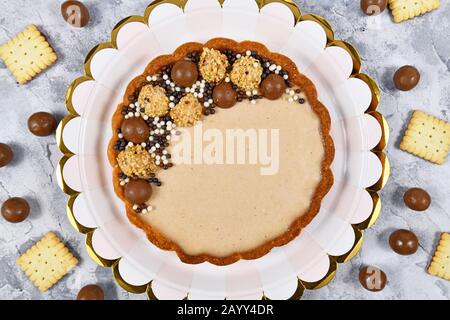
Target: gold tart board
x=372, y=111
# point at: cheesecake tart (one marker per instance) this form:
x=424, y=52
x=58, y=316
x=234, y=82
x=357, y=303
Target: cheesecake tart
x=189, y=188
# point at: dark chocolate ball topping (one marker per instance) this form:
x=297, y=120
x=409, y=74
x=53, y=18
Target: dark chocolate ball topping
x=224, y=96
x=372, y=278
x=417, y=199
x=135, y=130
x=373, y=7
x=42, y=124
x=273, y=87
x=184, y=73
x=138, y=191
x=75, y=13
x=404, y=242
x=15, y=210
x=91, y=292
x=406, y=78
x=6, y=155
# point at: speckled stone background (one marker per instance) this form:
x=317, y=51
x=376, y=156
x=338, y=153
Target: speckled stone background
x=383, y=45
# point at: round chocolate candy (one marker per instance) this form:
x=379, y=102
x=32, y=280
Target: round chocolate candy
x=184, y=73
x=273, y=87
x=406, y=78
x=15, y=210
x=373, y=7
x=138, y=191
x=75, y=13
x=6, y=155
x=403, y=242
x=135, y=130
x=417, y=199
x=42, y=124
x=372, y=278
x=224, y=96
x=91, y=292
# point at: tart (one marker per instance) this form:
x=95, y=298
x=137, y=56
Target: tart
x=203, y=204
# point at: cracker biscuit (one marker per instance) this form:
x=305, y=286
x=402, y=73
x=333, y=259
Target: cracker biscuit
x=440, y=263
x=427, y=137
x=47, y=262
x=27, y=54
x=407, y=9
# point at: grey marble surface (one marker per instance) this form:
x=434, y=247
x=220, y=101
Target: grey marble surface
x=383, y=45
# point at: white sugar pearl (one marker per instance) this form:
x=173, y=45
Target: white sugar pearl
x=135, y=207
x=149, y=208
x=279, y=68
x=158, y=158
x=157, y=146
x=291, y=92
x=165, y=162
x=238, y=56
x=163, y=158
x=227, y=79
x=152, y=132
x=169, y=123
x=295, y=97
x=144, y=211
x=165, y=77
x=132, y=105
x=177, y=89
x=188, y=90
x=210, y=100
x=167, y=81
x=127, y=180
x=267, y=64
x=143, y=144
x=148, y=78
x=253, y=102
x=287, y=90
x=120, y=136
x=154, y=78
x=171, y=98
x=157, y=162
x=291, y=100
x=153, y=155
x=145, y=117
x=158, y=125
x=122, y=183
x=255, y=92
x=202, y=85
x=168, y=138
x=171, y=105
x=248, y=53
x=272, y=67
x=248, y=93
x=164, y=152
x=162, y=123
x=126, y=117
x=172, y=85
x=198, y=83
x=130, y=114
x=206, y=104
x=153, y=149
x=285, y=77
x=173, y=131
x=137, y=114
x=151, y=138
x=277, y=72
x=195, y=94
x=256, y=64
x=200, y=95
x=156, y=119
x=130, y=144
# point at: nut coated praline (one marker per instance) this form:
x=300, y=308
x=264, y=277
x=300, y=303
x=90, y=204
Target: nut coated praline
x=224, y=96
x=138, y=191
x=135, y=130
x=15, y=210
x=273, y=87
x=184, y=73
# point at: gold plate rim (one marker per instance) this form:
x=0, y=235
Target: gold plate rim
x=356, y=73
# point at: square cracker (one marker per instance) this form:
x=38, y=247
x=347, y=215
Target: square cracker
x=47, y=262
x=427, y=137
x=407, y=9
x=27, y=54
x=440, y=263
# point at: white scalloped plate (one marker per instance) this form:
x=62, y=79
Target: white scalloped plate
x=85, y=173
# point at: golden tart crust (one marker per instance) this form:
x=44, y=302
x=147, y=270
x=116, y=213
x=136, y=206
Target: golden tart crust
x=298, y=80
